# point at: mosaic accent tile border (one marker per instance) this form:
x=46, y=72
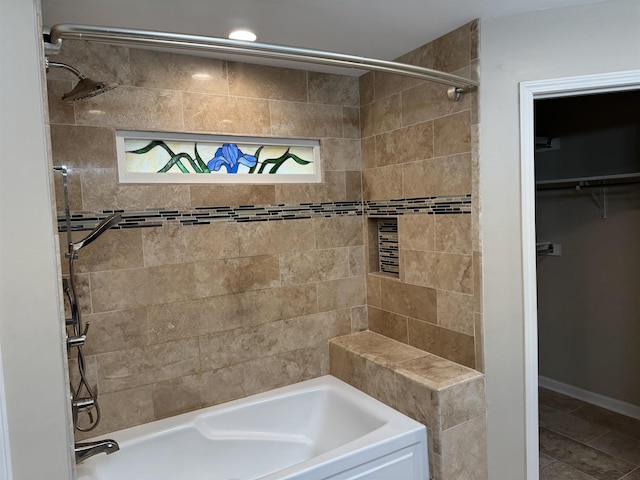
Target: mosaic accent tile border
x=389, y=261
x=452, y=204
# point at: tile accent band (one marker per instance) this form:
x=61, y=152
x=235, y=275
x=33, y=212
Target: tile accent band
x=156, y=217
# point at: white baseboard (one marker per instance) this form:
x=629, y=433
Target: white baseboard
x=609, y=403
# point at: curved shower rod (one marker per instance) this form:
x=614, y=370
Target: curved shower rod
x=148, y=38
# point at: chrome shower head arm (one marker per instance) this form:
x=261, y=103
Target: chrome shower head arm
x=48, y=64
x=102, y=227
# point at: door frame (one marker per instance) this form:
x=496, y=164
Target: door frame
x=530, y=91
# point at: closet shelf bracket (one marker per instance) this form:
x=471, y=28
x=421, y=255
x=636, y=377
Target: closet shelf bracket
x=600, y=200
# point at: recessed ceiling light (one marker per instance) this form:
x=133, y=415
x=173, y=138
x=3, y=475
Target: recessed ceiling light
x=243, y=34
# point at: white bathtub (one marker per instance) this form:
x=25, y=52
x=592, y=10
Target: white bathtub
x=314, y=430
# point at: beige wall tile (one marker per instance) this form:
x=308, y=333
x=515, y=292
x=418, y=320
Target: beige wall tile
x=83, y=292
x=446, y=271
x=448, y=344
x=428, y=101
x=381, y=116
x=464, y=450
x=332, y=189
x=357, y=261
x=353, y=185
x=341, y=154
x=368, y=152
x=117, y=249
x=200, y=317
x=260, y=81
x=333, y=89
x=96, y=60
x=381, y=383
x=436, y=373
x=388, y=324
x=347, y=366
x=118, y=330
x=59, y=111
x=359, y=319
x=339, y=231
x=453, y=233
x=232, y=195
x=462, y=402
x=367, y=88
x=221, y=114
x=235, y=275
x=295, y=119
x=341, y=293
x=84, y=147
x=133, y=108
x=351, y=122
x=139, y=287
x=416, y=401
x=315, y=330
x=284, y=369
x=191, y=318
x=417, y=232
x=139, y=366
x=240, y=345
x=265, y=238
x=313, y=266
x=387, y=84
x=374, y=290
x=409, y=300
x=171, y=71
x=382, y=183
x=452, y=51
x=438, y=176
x=179, y=395
x=279, y=303
x=405, y=145
x=378, y=348
x=452, y=134
x=123, y=409
x=175, y=243
x=100, y=191
x=455, y=312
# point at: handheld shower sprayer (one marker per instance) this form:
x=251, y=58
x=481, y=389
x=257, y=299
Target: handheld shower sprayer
x=85, y=88
x=102, y=227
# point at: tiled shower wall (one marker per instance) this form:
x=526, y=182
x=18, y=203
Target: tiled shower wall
x=188, y=316
x=417, y=143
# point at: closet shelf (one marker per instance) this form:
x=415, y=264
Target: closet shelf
x=594, y=181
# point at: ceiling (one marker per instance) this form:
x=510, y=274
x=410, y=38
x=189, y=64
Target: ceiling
x=370, y=28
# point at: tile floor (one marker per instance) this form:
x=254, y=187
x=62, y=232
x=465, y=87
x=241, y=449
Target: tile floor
x=579, y=441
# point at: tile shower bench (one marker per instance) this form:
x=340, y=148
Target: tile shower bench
x=446, y=397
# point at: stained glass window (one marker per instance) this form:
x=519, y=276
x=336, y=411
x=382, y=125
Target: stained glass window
x=153, y=157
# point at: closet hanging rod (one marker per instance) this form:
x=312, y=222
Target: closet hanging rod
x=148, y=38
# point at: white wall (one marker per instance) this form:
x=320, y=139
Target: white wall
x=588, y=303
x=596, y=38
x=31, y=339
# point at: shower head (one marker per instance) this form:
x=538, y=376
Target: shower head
x=88, y=88
x=102, y=227
x=85, y=88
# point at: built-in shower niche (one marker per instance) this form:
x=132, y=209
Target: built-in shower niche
x=383, y=246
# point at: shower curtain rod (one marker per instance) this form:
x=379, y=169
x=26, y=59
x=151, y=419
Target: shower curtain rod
x=133, y=37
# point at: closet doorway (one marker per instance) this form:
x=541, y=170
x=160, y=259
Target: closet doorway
x=587, y=171
x=531, y=92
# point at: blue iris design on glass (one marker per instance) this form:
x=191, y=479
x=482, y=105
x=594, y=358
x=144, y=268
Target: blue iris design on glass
x=230, y=157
